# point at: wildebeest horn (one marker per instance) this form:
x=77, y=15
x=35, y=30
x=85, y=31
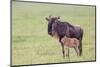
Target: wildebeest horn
x=47, y=18
x=50, y=16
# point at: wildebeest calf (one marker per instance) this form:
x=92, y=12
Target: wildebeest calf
x=72, y=43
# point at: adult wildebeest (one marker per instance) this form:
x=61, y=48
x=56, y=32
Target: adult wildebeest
x=60, y=29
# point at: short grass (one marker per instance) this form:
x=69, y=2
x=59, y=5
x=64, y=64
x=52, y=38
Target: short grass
x=31, y=43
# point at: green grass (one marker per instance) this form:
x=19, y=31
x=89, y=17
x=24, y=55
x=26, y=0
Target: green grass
x=31, y=43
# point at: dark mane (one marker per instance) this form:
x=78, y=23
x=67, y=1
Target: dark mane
x=66, y=23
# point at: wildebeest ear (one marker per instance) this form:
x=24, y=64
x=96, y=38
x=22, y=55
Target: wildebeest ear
x=58, y=17
x=47, y=19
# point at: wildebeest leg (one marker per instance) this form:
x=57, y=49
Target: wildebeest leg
x=62, y=45
x=67, y=52
x=80, y=48
x=63, y=50
x=80, y=44
x=77, y=50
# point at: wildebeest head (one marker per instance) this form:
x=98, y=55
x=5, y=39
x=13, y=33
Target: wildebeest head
x=51, y=20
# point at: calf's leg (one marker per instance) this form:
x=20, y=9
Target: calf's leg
x=67, y=52
x=77, y=50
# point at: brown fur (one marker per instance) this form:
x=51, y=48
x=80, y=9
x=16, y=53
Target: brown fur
x=71, y=42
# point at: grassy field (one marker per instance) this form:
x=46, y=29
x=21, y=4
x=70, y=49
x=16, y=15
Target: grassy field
x=31, y=43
